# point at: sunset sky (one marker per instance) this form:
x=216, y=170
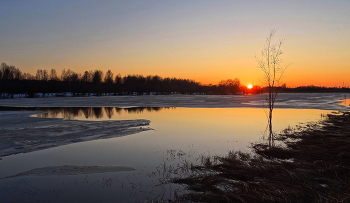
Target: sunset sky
x=197, y=39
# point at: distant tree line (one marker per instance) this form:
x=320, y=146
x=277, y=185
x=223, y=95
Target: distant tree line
x=14, y=81
x=44, y=82
x=315, y=89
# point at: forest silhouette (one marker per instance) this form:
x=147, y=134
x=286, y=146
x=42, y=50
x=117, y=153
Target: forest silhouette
x=13, y=81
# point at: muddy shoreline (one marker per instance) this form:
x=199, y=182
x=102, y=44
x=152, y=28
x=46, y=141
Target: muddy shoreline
x=313, y=166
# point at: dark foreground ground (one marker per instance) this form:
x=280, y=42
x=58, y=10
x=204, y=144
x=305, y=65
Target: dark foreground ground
x=311, y=164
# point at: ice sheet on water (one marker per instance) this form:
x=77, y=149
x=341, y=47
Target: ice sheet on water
x=323, y=101
x=24, y=134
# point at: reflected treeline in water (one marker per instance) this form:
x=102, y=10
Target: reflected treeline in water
x=345, y=101
x=87, y=112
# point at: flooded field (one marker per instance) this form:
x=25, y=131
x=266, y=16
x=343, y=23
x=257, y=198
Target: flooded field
x=143, y=159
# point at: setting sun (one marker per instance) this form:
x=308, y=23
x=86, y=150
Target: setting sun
x=250, y=86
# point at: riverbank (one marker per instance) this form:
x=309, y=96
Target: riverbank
x=308, y=165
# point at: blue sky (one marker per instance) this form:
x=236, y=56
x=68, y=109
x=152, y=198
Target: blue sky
x=199, y=39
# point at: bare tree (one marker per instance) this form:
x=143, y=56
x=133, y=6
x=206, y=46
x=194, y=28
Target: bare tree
x=27, y=76
x=75, y=77
x=270, y=63
x=45, y=75
x=118, y=80
x=232, y=86
x=39, y=74
x=65, y=75
x=109, y=77
x=97, y=77
x=53, y=74
x=86, y=77
x=9, y=72
x=42, y=75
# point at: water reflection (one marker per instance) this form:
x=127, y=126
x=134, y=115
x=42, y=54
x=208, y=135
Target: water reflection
x=93, y=112
x=182, y=136
x=345, y=102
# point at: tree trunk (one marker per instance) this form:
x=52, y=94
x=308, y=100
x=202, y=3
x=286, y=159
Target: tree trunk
x=270, y=117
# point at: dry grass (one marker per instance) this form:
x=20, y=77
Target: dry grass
x=314, y=166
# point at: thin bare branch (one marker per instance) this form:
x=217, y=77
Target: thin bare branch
x=270, y=64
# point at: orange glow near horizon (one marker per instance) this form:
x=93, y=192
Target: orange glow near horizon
x=293, y=77
x=204, y=41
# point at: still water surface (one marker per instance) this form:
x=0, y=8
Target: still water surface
x=179, y=135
